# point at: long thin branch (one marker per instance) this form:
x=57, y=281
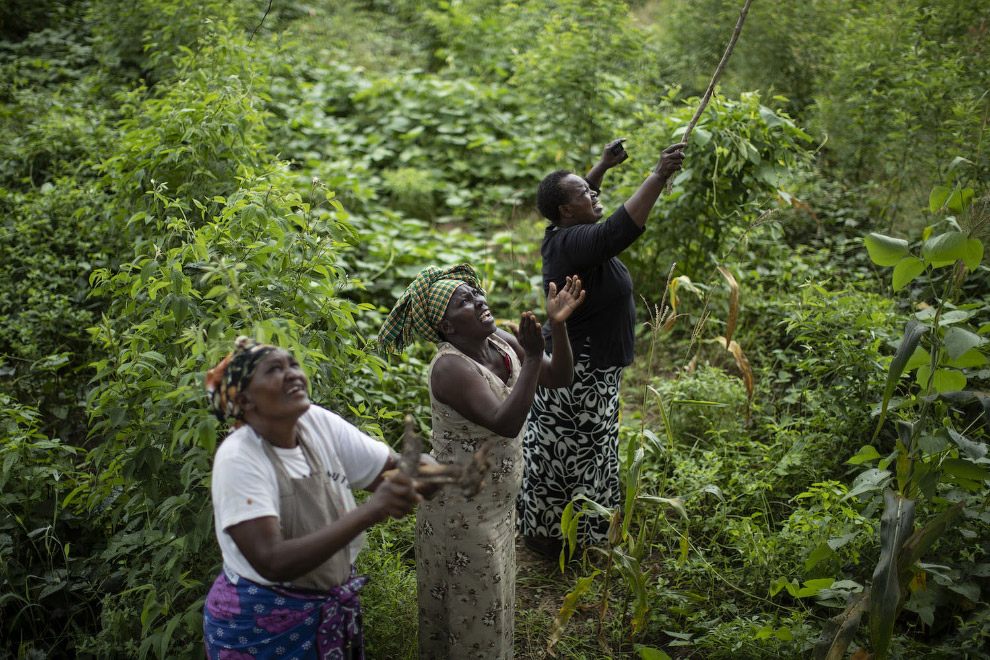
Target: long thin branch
x=263, y=20
x=718, y=72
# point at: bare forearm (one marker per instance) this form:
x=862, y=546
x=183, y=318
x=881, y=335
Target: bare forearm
x=289, y=559
x=560, y=370
x=509, y=417
x=596, y=175
x=639, y=205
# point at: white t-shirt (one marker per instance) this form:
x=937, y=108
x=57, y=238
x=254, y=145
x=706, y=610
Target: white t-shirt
x=244, y=485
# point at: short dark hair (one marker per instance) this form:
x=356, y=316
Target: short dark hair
x=552, y=195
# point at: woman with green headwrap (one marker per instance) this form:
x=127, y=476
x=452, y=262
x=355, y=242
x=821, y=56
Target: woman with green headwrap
x=482, y=382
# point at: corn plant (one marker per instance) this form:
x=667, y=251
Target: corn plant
x=937, y=441
x=626, y=551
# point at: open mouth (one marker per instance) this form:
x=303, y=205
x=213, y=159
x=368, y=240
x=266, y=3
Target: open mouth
x=294, y=389
x=486, y=316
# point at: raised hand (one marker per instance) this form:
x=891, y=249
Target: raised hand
x=670, y=160
x=613, y=153
x=561, y=304
x=530, y=335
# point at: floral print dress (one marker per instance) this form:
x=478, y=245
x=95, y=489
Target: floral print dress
x=465, y=550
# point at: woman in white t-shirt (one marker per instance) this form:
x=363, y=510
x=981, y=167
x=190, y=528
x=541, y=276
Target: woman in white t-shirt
x=286, y=521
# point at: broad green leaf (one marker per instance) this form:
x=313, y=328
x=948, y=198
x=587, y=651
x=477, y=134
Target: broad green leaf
x=974, y=253
x=906, y=270
x=975, y=450
x=945, y=249
x=817, y=555
x=648, y=652
x=937, y=197
x=919, y=358
x=960, y=199
x=948, y=380
x=701, y=136
x=968, y=590
x=933, y=443
x=959, y=340
x=812, y=587
x=896, y=527
x=913, y=332
x=872, y=479
x=770, y=117
x=884, y=250
x=971, y=358
x=866, y=453
x=782, y=583
x=964, y=469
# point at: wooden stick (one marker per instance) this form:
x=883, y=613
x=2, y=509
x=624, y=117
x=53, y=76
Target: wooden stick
x=718, y=72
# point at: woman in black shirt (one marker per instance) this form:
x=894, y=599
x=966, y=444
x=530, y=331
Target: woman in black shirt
x=571, y=442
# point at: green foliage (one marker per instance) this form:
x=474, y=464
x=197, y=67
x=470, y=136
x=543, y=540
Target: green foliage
x=903, y=74
x=706, y=405
x=780, y=48
x=49, y=582
x=148, y=217
x=742, y=158
x=585, y=82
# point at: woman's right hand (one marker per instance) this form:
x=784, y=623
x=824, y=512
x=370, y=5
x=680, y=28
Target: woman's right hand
x=670, y=161
x=530, y=335
x=395, y=497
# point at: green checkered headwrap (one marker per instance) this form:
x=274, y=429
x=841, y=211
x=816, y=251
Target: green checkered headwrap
x=422, y=305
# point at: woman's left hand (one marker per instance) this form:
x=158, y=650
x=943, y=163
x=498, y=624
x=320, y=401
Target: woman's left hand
x=561, y=304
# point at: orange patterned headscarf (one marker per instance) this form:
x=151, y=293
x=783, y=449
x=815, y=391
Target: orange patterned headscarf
x=232, y=375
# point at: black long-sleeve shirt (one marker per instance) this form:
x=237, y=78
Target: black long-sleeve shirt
x=605, y=323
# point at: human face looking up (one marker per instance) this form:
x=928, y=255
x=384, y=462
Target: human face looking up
x=467, y=314
x=582, y=207
x=278, y=389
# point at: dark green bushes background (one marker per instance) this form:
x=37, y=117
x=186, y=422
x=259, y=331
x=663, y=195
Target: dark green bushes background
x=176, y=173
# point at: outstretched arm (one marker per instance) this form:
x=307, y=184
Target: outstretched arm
x=639, y=205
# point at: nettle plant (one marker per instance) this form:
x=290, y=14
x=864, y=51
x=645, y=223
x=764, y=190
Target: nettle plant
x=939, y=455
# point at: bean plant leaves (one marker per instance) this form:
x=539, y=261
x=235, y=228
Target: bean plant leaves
x=959, y=340
x=906, y=270
x=937, y=197
x=871, y=480
x=885, y=250
x=943, y=380
x=945, y=249
x=975, y=450
x=973, y=255
x=866, y=453
x=648, y=652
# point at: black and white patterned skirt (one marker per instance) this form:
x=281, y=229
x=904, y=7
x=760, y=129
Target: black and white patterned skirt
x=571, y=448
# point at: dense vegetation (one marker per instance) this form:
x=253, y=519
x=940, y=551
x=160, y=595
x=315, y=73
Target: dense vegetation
x=804, y=431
